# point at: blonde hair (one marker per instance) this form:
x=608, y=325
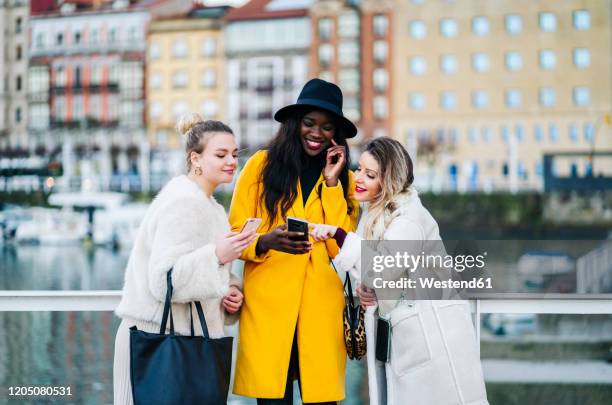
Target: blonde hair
x=197, y=132
x=395, y=176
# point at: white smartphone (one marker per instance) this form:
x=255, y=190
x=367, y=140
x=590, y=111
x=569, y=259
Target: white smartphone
x=251, y=224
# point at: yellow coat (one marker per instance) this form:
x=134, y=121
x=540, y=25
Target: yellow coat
x=283, y=290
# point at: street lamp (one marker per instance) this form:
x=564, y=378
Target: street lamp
x=605, y=118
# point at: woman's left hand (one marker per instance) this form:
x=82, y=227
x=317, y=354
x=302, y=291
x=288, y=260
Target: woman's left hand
x=233, y=300
x=321, y=232
x=367, y=296
x=332, y=170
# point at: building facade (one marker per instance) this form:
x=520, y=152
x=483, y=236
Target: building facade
x=185, y=73
x=266, y=48
x=482, y=90
x=351, y=47
x=14, y=20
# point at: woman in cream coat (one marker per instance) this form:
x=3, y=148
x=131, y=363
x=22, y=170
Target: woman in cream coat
x=187, y=230
x=434, y=356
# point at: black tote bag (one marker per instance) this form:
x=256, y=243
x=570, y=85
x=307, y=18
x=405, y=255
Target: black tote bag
x=177, y=370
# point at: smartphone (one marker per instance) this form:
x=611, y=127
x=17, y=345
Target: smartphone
x=298, y=225
x=251, y=224
x=383, y=340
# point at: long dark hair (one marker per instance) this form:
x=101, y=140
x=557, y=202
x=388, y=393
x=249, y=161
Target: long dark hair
x=284, y=163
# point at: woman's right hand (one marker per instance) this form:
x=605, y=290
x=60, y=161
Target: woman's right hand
x=231, y=245
x=367, y=296
x=278, y=239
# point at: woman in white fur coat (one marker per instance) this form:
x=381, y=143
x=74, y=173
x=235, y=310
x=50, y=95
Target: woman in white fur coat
x=434, y=356
x=187, y=230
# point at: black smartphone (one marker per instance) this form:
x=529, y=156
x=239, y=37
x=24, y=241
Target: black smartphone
x=383, y=340
x=298, y=225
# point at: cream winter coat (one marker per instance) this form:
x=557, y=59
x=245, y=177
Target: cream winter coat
x=434, y=354
x=179, y=231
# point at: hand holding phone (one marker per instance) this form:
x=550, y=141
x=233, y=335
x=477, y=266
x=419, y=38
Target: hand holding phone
x=251, y=224
x=297, y=225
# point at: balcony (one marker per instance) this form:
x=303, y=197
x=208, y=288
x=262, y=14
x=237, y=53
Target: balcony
x=76, y=88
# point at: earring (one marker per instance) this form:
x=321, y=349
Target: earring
x=198, y=171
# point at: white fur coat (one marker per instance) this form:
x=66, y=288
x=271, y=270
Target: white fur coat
x=179, y=231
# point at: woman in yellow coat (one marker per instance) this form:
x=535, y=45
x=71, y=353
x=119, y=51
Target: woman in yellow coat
x=291, y=320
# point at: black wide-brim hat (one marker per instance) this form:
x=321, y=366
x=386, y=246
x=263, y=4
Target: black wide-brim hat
x=321, y=95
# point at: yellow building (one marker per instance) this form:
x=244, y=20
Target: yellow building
x=185, y=73
x=482, y=89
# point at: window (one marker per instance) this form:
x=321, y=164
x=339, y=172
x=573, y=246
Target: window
x=210, y=109
x=18, y=52
x=381, y=25
x=548, y=22
x=449, y=28
x=40, y=40
x=326, y=54
x=179, y=109
x=418, y=29
x=39, y=116
x=480, y=62
x=155, y=80
x=155, y=110
x=514, y=61
x=582, y=96
x=77, y=37
x=95, y=74
x=448, y=100
x=349, y=80
x=348, y=24
x=548, y=59
x=486, y=134
x=480, y=99
x=418, y=65
x=381, y=79
x=77, y=108
x=472, y=135
x=538, y=133
x=180, y=79
x=505, y=134
x=448, y=64
x=112, y=35
x=18, y=115
x=572, y=132
x=154, y=50
x=327, y=76
x=513, y=98
x=519, y=133
x=581, y=19
x=547, y=96
x=417, y=101
x=381, y=51
x=581, y=57
x=381, y=108
x=480, y=25
x=38, y=79
x=348, y=53
x=132, y=34
x=94, y=37
x=209, y=78
x=326, y=27
x=59, y=108
x=18, y=25
x=59, y=39
x=588, y=132
x=553, y=132
x=179, y=49
x=18, y=83
x=60, y=76
x=209, y=48
x=514, y=24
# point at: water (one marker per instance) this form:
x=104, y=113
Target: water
x=75, y=349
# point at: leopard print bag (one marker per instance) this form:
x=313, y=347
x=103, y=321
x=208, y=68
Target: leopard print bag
x=354, y=325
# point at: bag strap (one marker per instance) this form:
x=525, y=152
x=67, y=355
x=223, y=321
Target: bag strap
x=352, y=313
x=167, y=307
x=198, y=306
x=191, y=318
